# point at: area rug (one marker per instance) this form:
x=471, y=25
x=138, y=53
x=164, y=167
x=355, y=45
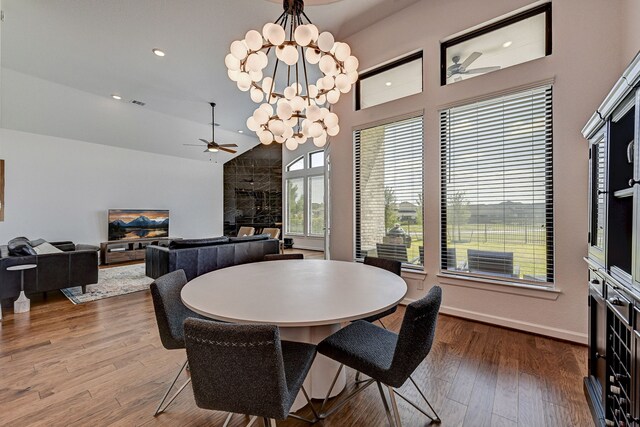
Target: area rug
x=112, y=281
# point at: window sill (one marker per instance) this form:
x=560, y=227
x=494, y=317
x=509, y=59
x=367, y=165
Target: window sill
x=542, y=292
x=411, y=273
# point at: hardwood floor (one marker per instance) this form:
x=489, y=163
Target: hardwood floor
x=101, y=363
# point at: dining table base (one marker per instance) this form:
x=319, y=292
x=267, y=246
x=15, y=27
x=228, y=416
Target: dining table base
x=323, y=369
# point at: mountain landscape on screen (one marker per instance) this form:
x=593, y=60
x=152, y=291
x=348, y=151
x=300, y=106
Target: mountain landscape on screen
x=127, y=224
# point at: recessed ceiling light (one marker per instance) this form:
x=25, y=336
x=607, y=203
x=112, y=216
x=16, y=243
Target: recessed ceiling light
x=158, y=52
x=118, y=97
x=388, y=84
x=240, y=131
x=507, y=44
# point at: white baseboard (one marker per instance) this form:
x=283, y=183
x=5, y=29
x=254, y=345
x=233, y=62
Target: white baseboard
x=535, y=328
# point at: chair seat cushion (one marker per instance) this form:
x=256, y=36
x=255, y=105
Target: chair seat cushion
x=379, y=316
x=297, y=358
x=364, y=347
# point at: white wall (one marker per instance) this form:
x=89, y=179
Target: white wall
x=629, y=14
x=585, y=63
x=60, y=189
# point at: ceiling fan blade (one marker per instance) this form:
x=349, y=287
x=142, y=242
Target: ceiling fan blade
x=227, y=145
x=194, y=145
x=227, y=150
x=471, y=59
x=204, y=140
x=206, y=151
x=482, y=70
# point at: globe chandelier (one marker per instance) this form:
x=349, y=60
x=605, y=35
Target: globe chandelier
x=292, y=109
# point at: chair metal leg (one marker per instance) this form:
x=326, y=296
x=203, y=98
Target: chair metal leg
x=437, y=419
x=272, y=422
x=415, y=405
x=226, y=422
x=160, y=409
x=252, y=420
x=394, y=405
x=346, y=399
x=386, y=406
x=333, y=383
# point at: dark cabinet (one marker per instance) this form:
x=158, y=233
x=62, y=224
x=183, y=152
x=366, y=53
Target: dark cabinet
x=612, y=385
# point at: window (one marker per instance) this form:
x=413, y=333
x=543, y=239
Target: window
x=388, y=170
x=390, y=81
x=296, y=165
x=316, y=202
x=316, y=159
x=497, y=187
x=519, y=38
x=305, y=206
x=295, y=206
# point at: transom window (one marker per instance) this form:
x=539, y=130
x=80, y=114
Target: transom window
x=497, y=188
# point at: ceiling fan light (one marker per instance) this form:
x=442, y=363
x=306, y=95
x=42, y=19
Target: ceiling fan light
x=253, y=39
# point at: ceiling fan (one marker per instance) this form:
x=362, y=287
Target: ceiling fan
x=212, y=146
x=462, y=68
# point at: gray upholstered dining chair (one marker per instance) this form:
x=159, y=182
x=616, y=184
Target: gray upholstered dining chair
x=388, y=358
x=170, y=314
x=246, y=369
x=282, y=257
x=394, y=267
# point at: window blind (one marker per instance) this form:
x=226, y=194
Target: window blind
x=497, y=187
x=389, y=181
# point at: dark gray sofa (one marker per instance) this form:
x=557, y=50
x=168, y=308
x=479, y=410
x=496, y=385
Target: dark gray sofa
x=76, y=265
x=199, y=256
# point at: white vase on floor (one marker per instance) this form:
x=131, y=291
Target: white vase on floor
x=22, y=304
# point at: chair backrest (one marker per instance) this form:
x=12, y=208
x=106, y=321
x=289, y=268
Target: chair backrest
x=170, y=311
x=282, y=257
x=237, y=368
x=387, y=264
x=490, y=262
x=273, y=232
x=391, y=251
x=246, y=231
x=416, y=335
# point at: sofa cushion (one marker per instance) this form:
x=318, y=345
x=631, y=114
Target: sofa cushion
x=249, y=238
x=198, y=243
x=37, y=242
x=20, y=248
x=46, y=248
x=18, y=239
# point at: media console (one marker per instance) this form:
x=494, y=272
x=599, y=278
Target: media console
x=116, y=251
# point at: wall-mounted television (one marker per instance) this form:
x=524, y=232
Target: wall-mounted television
x=130, y=224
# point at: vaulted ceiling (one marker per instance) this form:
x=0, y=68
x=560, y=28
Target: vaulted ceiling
x=102, y=47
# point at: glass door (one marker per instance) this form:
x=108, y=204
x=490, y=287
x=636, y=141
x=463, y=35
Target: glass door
x=598, y=197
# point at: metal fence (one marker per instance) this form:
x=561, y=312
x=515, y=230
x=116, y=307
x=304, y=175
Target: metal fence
x=499, y=233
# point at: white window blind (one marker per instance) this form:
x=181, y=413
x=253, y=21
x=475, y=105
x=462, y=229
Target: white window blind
x=497, y=187
x=389, y=177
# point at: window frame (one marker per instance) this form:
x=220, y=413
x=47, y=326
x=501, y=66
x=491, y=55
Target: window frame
x=545, y=8
x=386, y=67
x=294, y=161
x=549, y=202
x=357, y=214
x=304, y=174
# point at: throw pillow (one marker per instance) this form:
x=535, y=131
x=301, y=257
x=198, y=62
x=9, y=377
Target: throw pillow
x=20, y=248
x=46, y=248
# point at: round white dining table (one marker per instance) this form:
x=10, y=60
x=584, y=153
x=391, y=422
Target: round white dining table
x=307, y=299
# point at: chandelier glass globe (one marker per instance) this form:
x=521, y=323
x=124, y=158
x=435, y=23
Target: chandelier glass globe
x=297, y=110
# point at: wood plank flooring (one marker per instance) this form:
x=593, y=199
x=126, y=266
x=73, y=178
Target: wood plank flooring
x=102, y=364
